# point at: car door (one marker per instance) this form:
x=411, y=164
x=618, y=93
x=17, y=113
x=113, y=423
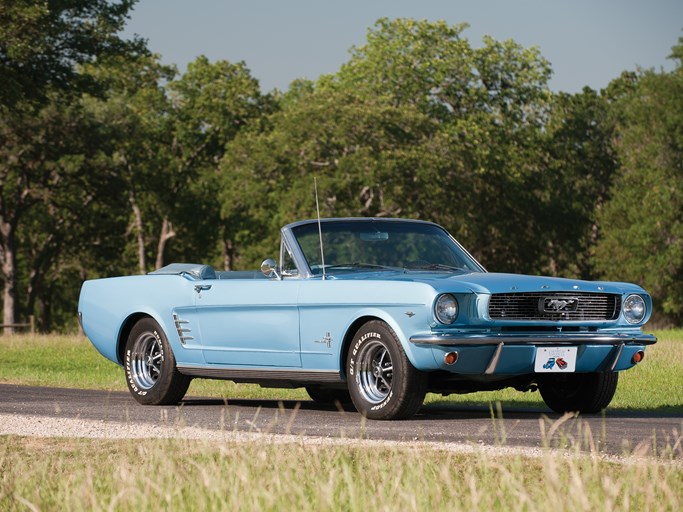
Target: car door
x=249, y=322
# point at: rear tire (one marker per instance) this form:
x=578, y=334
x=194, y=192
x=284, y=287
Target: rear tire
x=383, y=383
x=587, y=393
x=151, y=372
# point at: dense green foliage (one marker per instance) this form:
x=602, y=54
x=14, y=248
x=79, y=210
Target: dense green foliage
x=111, y=163
x=642, y=238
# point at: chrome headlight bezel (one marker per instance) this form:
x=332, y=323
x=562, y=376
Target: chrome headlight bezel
x=446, y=309
x=634, y=309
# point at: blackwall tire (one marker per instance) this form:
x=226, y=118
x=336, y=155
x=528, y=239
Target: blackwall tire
x=324, y=395
x=587, y=393
x=150, y=366
x=383, y=384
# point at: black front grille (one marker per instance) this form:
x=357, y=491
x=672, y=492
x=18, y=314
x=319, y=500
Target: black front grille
x=554, y=306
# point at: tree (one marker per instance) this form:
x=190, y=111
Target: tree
x=172, y=133
x=362, y=151
x=492, y=104
x=42, y=43
x=137, y=107
x=41, y=46
x=417, y=123
x=641, y=237
x=51, y=175
x=210, y=104
x=575, y=181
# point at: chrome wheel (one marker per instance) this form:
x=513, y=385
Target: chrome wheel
x=376, y=372
x=151, y=372
x=146, y=360
x=382, y=382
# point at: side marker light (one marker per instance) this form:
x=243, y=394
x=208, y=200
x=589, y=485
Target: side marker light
x=450, y=358
x=638, y=357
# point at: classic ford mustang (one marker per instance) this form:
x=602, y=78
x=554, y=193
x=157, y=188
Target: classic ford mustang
x=376, y=312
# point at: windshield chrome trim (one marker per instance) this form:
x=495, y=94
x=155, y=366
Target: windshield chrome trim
x=356, y=219
x=298, y=255
x=289, y=240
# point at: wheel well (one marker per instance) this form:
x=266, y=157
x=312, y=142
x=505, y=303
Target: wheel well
x=125, y=331
x=348, y=337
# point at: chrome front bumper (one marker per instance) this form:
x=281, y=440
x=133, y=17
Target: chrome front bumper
x=573, y=338
x=618, y=341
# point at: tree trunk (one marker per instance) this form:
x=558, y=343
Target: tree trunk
x=228, y=254
x=140, y=233
x=166, y=234
x=9, y=291
x=45, y=311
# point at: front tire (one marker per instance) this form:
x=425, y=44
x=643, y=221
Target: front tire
x=587, y=393
x=151, y=372
x=383, y=383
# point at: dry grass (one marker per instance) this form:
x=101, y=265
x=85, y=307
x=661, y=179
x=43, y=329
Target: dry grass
x=175, y=474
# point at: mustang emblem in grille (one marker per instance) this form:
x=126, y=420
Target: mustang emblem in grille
x=557, y=305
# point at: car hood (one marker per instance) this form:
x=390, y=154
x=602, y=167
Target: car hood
x=518, y=283
x=491, y=282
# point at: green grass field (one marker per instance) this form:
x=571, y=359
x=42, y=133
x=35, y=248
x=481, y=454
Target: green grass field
x=71, y=361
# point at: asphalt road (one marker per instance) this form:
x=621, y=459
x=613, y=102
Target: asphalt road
x=618, y=432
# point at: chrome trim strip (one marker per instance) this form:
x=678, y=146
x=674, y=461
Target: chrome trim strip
x=533, y=339
x=493, y=363
x=246, y=350
x=179, y=322
x=296, y=252
x=620, y=349
x=261, y=374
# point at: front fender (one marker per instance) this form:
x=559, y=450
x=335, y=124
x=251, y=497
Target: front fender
x=404, y=322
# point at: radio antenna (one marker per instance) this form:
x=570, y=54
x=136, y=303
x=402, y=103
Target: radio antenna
x=320, y=229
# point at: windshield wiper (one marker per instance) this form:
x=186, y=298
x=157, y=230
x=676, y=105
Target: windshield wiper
x=435, y=266
x=359, y=265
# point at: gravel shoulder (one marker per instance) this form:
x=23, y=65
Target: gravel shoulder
x=46, y=427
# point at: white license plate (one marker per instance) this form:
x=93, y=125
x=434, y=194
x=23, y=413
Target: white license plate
x=555, y=360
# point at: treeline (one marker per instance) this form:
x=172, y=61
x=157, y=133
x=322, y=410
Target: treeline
x=112, y=163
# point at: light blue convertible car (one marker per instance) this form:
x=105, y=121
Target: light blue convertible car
x=376, y=312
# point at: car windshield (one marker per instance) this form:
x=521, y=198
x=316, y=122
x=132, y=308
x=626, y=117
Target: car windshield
x=353, y=246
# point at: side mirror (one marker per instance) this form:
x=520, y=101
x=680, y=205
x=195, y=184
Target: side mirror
x=269, y=268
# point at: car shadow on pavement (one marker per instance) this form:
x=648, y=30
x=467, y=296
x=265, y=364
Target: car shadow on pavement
x=434, y=410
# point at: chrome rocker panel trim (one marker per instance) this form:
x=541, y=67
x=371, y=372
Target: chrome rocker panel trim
x=257, y=375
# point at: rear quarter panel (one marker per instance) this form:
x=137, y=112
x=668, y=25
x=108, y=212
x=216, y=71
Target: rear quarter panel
x=106, y=304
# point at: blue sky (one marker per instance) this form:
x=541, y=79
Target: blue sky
x=588, y=42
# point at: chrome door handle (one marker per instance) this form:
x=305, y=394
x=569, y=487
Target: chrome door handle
x=201, y=287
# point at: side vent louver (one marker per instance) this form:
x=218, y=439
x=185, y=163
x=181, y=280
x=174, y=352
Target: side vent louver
x=182, y=331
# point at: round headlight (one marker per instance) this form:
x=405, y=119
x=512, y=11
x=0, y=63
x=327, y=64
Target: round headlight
x=634, y=309
x=446, y=309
